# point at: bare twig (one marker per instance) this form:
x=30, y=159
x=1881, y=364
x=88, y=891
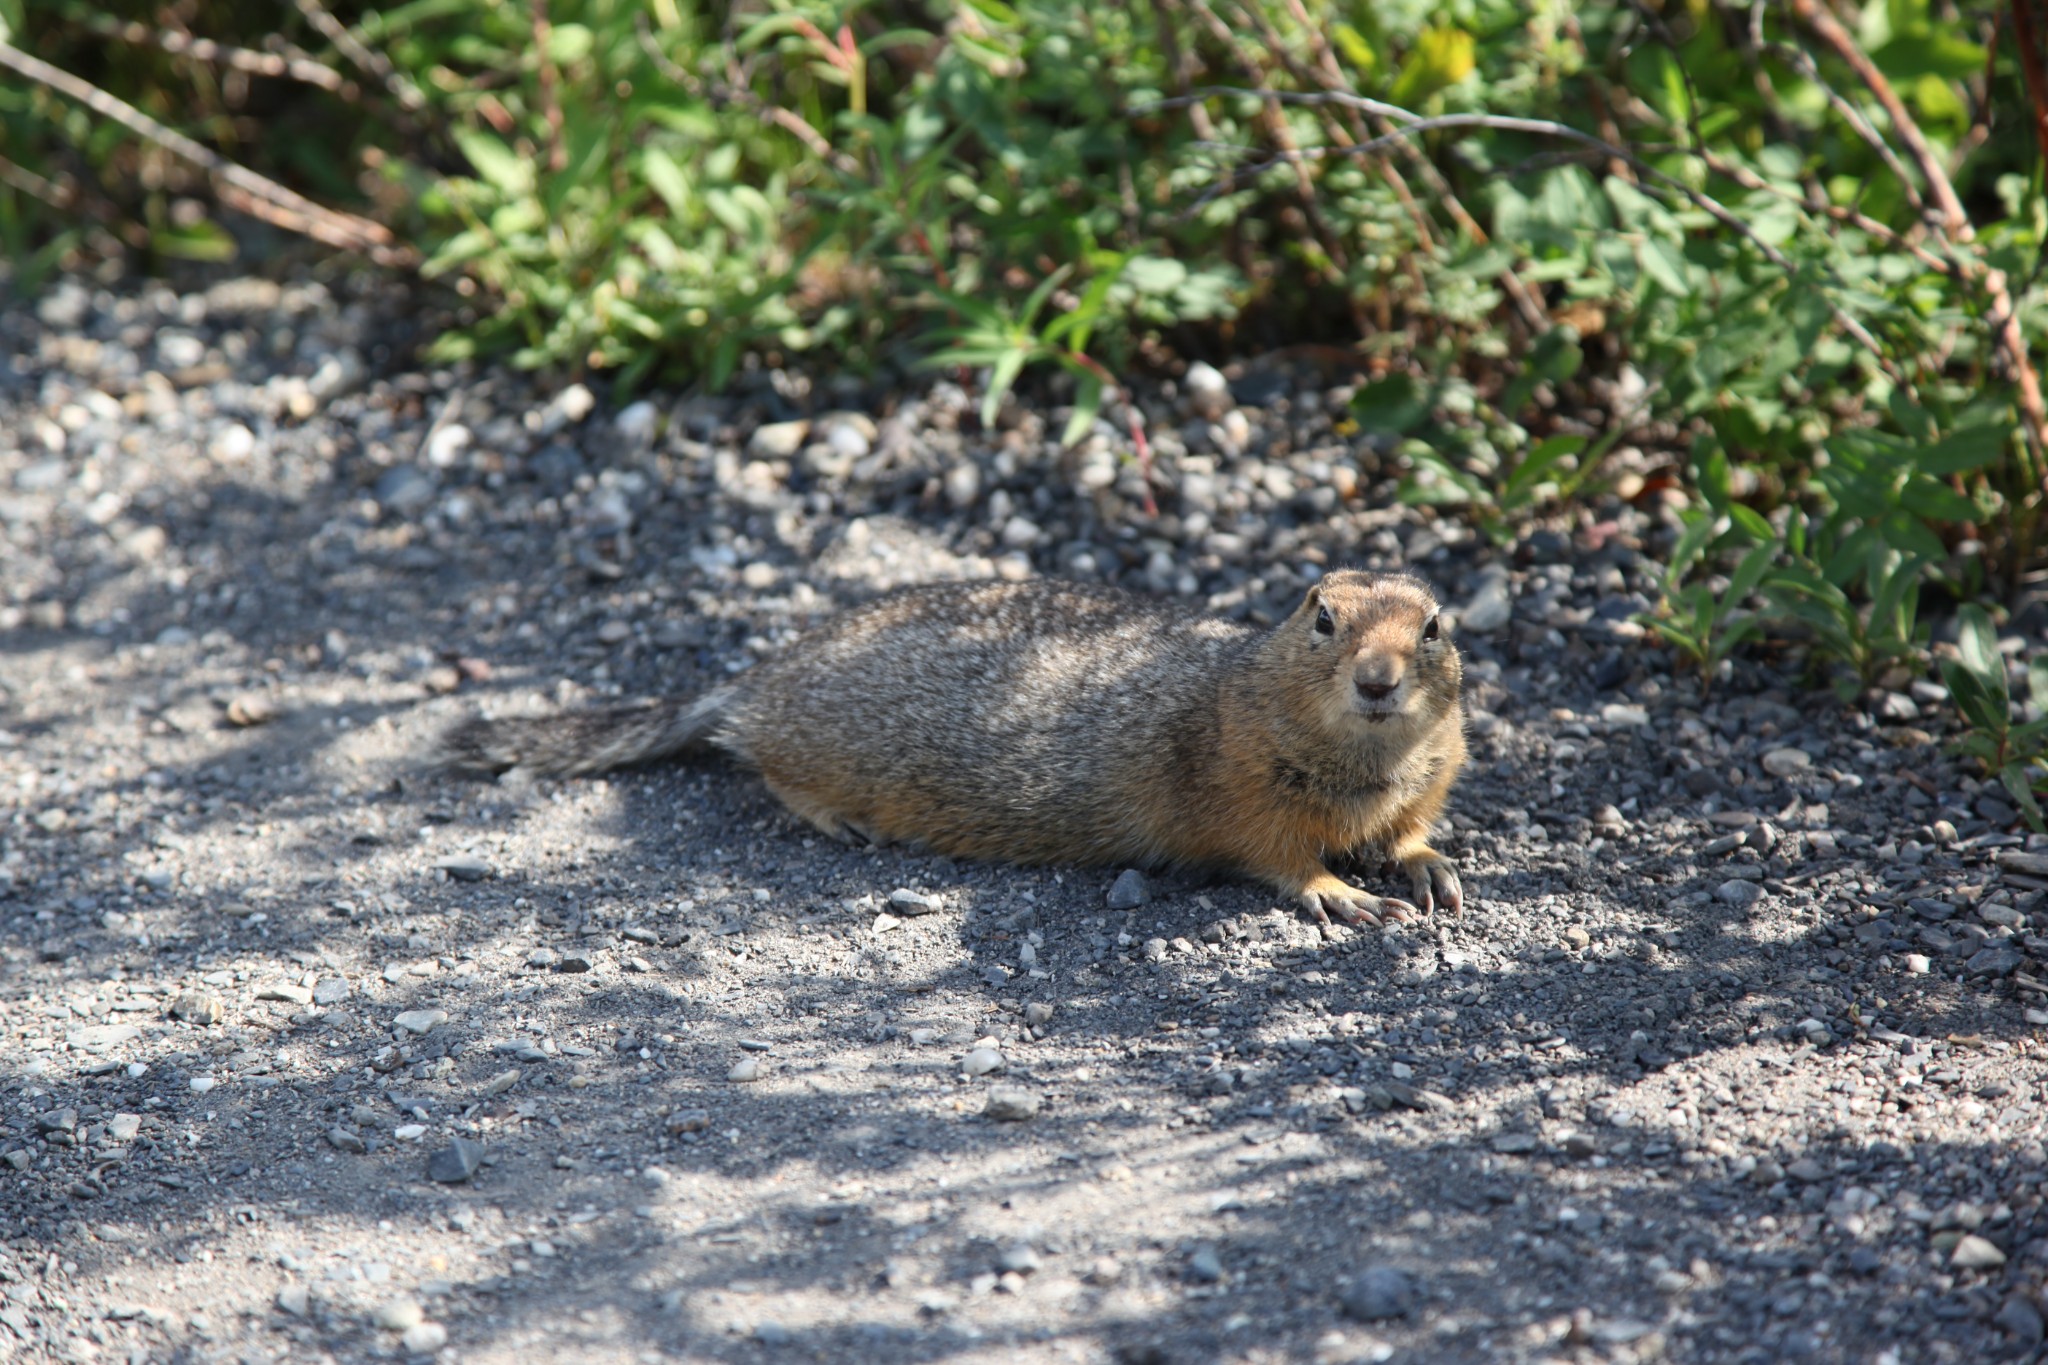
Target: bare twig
x=722, y=93
x=2027, y=32
x=237, y=185
x=38, y=187
x=1282, y=135
x=1410, y=125
x=2004, y=321
x=550, y=102
x=370, y=62
x=301, y=69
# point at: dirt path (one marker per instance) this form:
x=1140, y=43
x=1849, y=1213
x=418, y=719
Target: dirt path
x=1727, y=1059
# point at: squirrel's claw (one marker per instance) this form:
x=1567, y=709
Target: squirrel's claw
x=1353, y=906
x=1436, y=884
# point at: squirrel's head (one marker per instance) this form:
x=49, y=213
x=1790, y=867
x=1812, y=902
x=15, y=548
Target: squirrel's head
x=1377, y=652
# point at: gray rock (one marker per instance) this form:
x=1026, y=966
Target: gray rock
x=1205, y=1266
x=981, y=1061
x=1011, y=1104
x=1515, y=1144
x=330, y=990
x=1787, y=762
x=400, y=1313
x=1739, y=893
x=2021, y=1321
x=102, y=1037
x=346, y=1140
x=1129, y=890
x=287, y=992
x=906, y=902
x=456, y=1162
x=2026, y=864
x=1995, y=961
x=1489, y=608
x=198, y=1007
x=1207, y=390
x=124, y=1127
x=404, y=490
x=421, y=1021
x=424, y=1338
x=744, y=1070
x=778, y=440
x=1020, y=1259
x=464, y=868
x=1378, y=1293
x=1976, y=1253
x=294, y=1300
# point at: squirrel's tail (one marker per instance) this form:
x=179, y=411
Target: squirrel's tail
x=578, y=742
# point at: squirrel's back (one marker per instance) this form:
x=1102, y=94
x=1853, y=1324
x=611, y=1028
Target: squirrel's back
x=1012, y=721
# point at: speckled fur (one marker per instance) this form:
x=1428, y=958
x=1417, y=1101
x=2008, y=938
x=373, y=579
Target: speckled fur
x=1053, y=722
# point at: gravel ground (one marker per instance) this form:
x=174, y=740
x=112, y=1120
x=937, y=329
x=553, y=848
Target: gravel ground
x=313, y=1054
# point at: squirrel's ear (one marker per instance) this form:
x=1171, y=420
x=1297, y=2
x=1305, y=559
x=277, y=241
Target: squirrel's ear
x=1310, y=598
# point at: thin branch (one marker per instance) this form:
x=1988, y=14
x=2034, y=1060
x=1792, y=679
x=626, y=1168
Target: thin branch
x=1282, y=135
x=370, y=62
x=1411, y=124
x=301, y=69
x=237, y=185
x=718, y=93
x=2027, y=34
x=2004, y=320
x=550, y=102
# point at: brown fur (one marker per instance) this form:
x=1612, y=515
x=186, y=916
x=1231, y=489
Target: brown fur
x=1052, y=722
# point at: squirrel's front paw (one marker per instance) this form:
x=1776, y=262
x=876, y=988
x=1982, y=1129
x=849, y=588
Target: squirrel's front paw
x=1436, y=883
x=1327, y=896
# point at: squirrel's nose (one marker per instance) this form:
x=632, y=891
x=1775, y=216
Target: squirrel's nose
x=1376, y=691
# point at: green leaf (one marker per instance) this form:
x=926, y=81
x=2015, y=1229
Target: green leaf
x=1087, y=407
x=500, y=168
x=1665, y=265
x=666, y=177
x=1961, y=452
x=1748, y=573
x=1001, y=376
x=2014, y=776
x=1977, y=651
x=1391, y=406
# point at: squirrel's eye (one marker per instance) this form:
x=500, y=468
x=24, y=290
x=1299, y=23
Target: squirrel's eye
x=1429, y=630
x=1325, y=623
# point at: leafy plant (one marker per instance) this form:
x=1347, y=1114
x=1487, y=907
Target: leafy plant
x=1976, y=679
x=1702, y=624
x=1005, y=343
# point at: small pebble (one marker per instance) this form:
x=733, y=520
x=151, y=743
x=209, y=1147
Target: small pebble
x=421, y=1021
x=456, y=1162
x=424, y=1338
x=399, y=1314
x=745, y=1069
x=1378, y=1293
x=1129, y=890
x=1011, y=1104
x=981, y=1061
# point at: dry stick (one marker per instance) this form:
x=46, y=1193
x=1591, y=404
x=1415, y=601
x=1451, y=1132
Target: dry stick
x=718, y=93
x=370, y=62
x=256, y=195
x=550, y=103
x=1412, y=124
x=1518, y=293
x=2027, y=34
x=28, y=182
x=2004, y=321
x=1283, y=137
x=302, y=69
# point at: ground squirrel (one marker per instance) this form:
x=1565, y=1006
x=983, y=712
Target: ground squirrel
x=1049, y=722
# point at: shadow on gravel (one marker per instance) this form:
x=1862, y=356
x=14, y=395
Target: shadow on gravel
x=1435, y=1104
